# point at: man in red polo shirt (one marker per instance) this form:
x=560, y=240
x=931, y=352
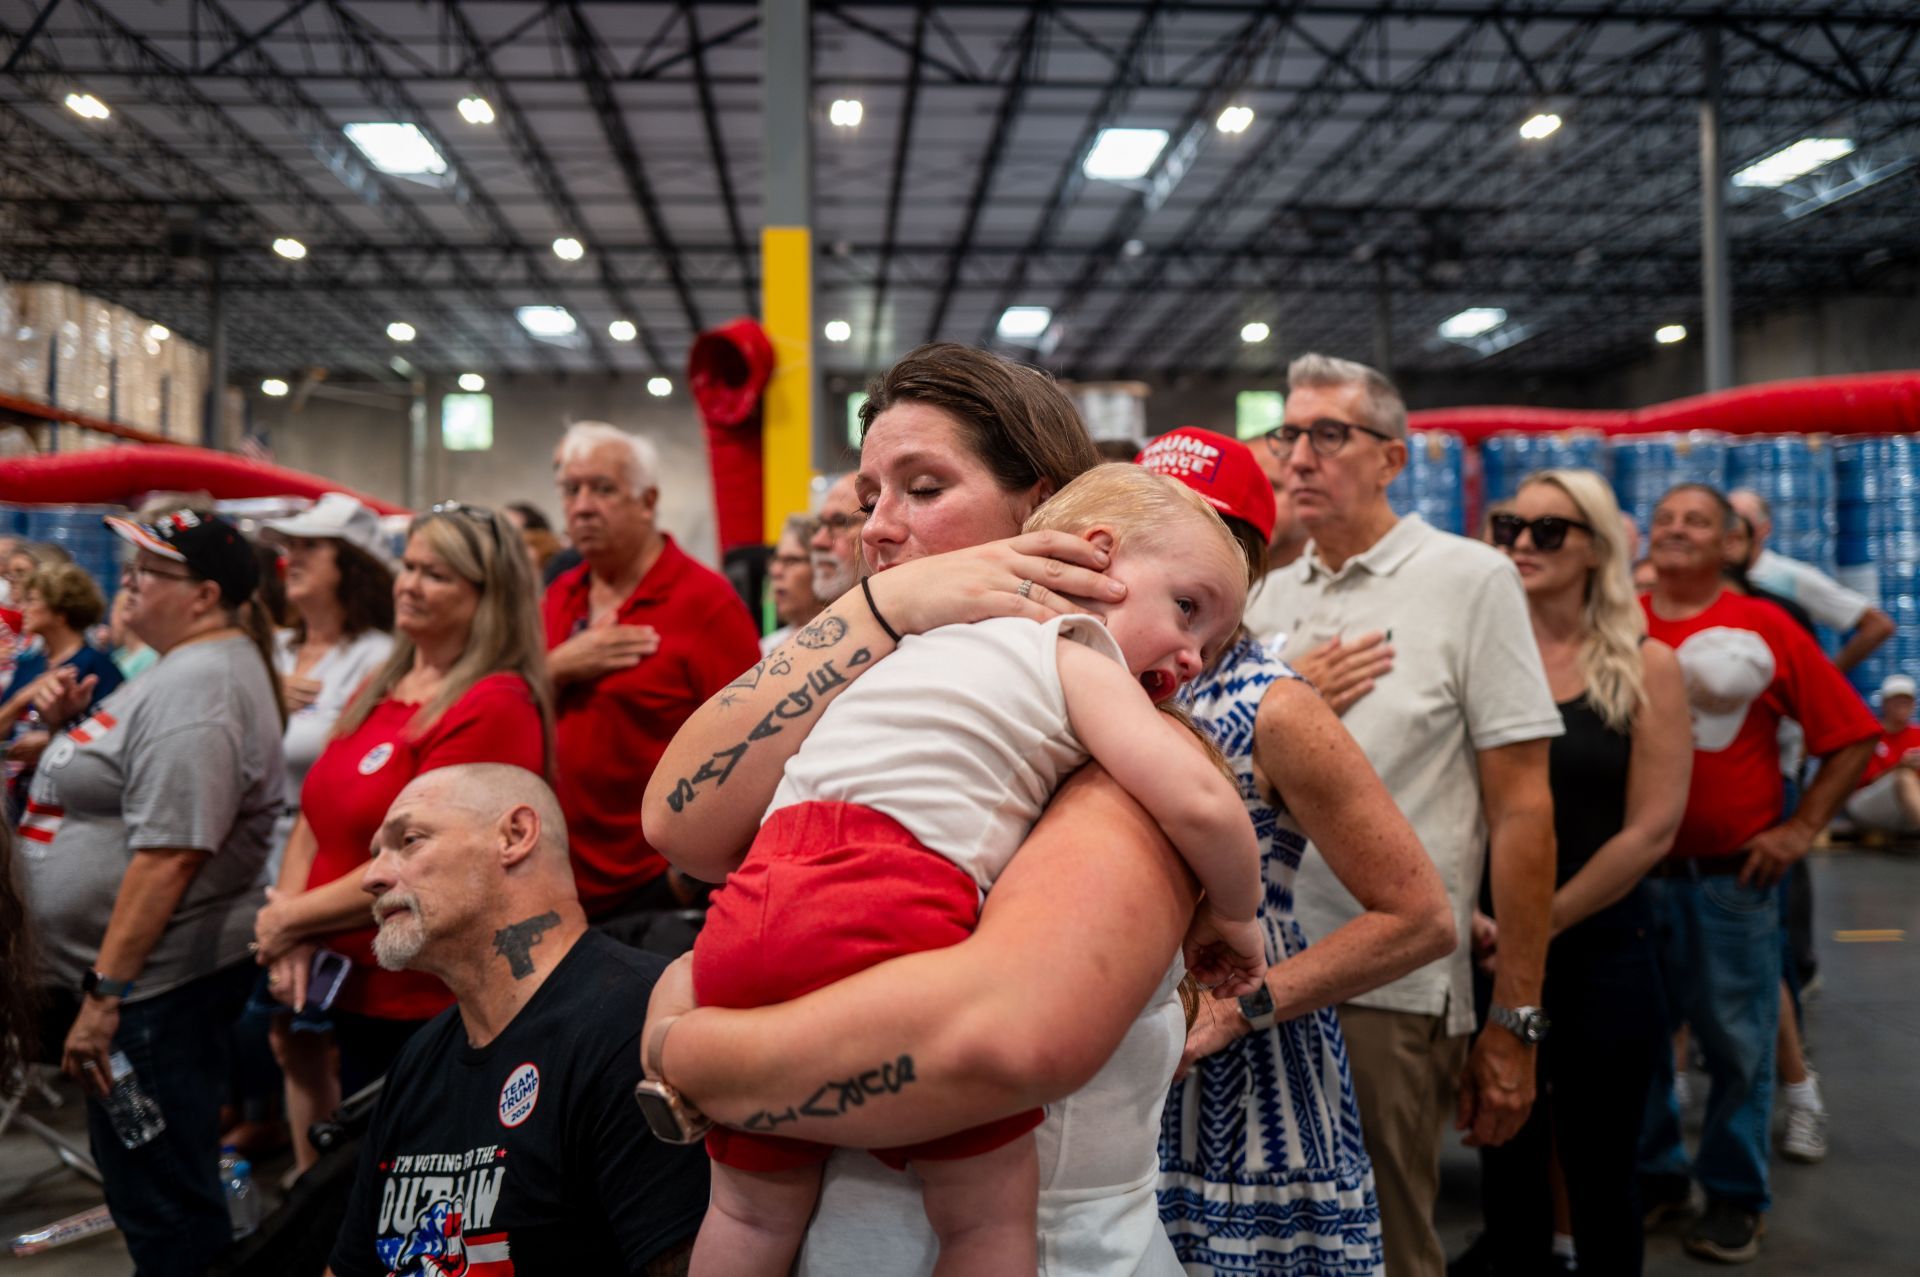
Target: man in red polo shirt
x=638, y=637
x=1747, y=666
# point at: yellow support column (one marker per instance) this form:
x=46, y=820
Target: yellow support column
x=786, y=256
x=786, y=307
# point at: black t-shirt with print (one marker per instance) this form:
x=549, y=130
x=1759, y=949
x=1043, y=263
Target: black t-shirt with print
x=527, y=1156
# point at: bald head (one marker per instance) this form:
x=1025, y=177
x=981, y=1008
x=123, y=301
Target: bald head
x=465, y=851
x=492, y=792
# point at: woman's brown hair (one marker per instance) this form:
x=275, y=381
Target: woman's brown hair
x=68, y=590
x=366, y=594
x=1016, y=419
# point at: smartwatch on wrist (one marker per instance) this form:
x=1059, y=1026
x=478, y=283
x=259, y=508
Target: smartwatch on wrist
x=1258, y=1007
x=671, y=1118
x=1529, y=1024
x=94, y=984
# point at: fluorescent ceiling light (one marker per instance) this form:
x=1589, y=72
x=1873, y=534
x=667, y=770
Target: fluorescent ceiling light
x=1255, y=332
x=159, y=332
x=472, y=382
x=400, y=149
x=838, y=330
x=1794, y=161
x=288, y=247
x=87, y=106
x=1539, y=126
x=1472, y=322
x=846, y=113
x=1023, y=323
x=1667, y=334
x=659, y=387
x=546, y=321
x=476, y=110
x=400, y=330
x=622, y=330
x=273, y=387
x=568, y=249
x=1234, y=119
x=1121, y=155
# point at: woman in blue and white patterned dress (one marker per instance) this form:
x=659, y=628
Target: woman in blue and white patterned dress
x=1263, y=1169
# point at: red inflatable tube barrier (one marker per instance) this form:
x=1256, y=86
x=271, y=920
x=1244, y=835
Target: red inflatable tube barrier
x=1860, y=404
x=119, y=476
x=728, y=370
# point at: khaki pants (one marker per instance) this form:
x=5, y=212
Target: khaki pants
x=1405, y=1068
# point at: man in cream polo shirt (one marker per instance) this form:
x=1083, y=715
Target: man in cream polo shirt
x=1458, y=729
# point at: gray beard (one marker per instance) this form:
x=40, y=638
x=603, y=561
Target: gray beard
x=399, y=941
x=831, y=579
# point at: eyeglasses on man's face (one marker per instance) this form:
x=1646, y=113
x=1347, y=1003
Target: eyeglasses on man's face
x=838, y=523
x=147, y=572
x=1326, y=436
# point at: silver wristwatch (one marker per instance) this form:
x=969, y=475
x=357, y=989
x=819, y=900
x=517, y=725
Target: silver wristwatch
x=1529, y=1024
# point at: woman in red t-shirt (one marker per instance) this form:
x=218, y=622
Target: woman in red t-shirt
x=467, y=683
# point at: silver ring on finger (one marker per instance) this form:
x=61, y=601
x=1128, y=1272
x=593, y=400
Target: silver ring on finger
x=1026, y=587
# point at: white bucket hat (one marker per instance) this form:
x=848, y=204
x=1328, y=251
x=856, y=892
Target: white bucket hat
x=335, y=517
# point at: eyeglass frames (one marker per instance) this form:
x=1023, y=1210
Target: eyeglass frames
x=1326, y=437
x=838, y=523
x=1549, y=531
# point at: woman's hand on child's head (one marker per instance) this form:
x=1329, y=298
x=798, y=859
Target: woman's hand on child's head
x=1227, y=957
x=984, y=581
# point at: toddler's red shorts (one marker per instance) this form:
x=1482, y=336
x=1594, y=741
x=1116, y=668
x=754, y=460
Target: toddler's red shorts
x=828, y=890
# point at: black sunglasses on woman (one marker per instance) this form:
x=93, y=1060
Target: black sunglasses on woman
x=1549, y=531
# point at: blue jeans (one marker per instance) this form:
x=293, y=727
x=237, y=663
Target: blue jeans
x=1719, y=946
x=166, y=1195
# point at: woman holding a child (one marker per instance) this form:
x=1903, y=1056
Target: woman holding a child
x=1066, y=993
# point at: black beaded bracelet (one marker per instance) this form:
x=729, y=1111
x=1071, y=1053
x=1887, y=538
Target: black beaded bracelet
x=875, y=609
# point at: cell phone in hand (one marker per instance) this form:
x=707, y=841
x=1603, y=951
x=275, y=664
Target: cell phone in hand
x=328, y=973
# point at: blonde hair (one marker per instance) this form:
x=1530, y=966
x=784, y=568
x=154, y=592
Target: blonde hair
x=1140, y=506
x=1610, y=649
x=485, y=550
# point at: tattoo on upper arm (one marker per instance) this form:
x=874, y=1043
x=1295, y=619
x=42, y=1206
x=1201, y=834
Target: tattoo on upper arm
x=515, y=943
x=834, y=1099
x=799, y=703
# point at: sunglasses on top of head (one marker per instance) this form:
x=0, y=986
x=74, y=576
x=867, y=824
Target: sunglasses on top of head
x=1549, y=532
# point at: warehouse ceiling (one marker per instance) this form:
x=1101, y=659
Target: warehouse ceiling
x=1382, y=177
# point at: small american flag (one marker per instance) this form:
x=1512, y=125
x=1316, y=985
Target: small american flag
x=254, y=447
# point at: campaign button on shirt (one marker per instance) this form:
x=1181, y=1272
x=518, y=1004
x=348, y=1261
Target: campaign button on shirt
x=518, y=1096
x=376, y=758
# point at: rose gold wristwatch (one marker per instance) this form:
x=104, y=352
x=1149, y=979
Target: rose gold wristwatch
x=671, y=1117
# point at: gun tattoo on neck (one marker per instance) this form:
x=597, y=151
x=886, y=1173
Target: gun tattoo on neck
x=515, y=943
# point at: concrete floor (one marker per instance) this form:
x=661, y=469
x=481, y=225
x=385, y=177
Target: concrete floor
x=1852, y=1216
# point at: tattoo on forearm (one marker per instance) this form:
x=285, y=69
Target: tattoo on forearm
x=776, y=663
x=826, y=630
x=515, y=943
x=798, y=703
x=834, y=1099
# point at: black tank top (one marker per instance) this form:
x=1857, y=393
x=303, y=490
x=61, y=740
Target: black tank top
x=1587, y=769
